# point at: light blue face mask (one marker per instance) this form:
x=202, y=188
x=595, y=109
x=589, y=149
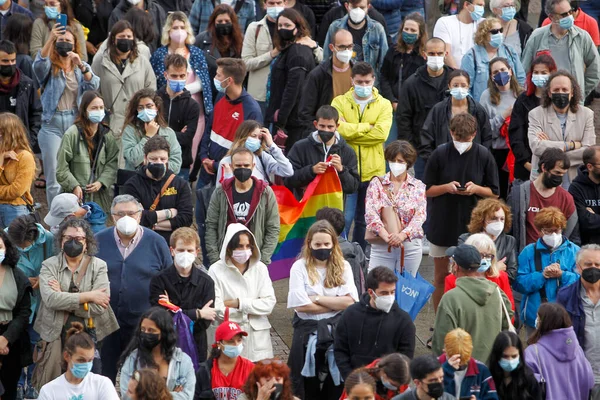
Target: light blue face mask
x=79, y=371
x=219, y=86
x=273, y=12
x=147, y=115
x=177, y=86
x=508, y=13
x=25, y=249
x=566, y=22
x=484, y=265
x=509, y=365
x=363, y=91
x=477, y=13
x=51, y=12
x=96, y=116
x=496, y=40
x=252, y=144
x=388, y=385
x=459, y=93
x=539, y=80
x=233, y=351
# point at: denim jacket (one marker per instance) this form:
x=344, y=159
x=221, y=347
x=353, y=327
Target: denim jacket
x=202, y=10
x=374, y=43
x=197, y=63
x=53, y=86
x=181, y=373
x=477, y=64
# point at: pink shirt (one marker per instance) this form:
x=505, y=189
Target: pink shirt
x=126, y=251
x=409, y=201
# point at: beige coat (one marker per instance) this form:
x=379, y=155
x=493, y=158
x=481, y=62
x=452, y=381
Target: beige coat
x=55, y=306
x=117, y=89
x=580, y=128
x=40, y=32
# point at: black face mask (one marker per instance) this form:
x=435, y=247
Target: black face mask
x=124, y=45
x=242, y=174
x=73, y=248
x=8, y=71
x=286, y=34
x=591, y=275
x=149, y=340
x=157, y=170
x=321, y=254
x=560, y=100
x=325, y=136
x=63, y=48
x=551, y=181
x=278, y=389
x=224, y=29
x=435, y=390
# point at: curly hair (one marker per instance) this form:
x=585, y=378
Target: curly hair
x=266, y=369
x=168, y=339
x=131, y=114
x=402, y=147
x=74, y=222
x=482, y=35
x=150, y=385
x=485, y=209
x=459, y=341
x=494, y=91
x=335, y=263
x=575, y=91
x=550, y=218
x=485, y=245
x=11, y=254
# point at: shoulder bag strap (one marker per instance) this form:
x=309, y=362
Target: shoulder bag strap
x=504, y=312
x=162, y=191
x=537, y=354
x=82, y=271
x=262, y=163
x=538, y=267
x=258, y=26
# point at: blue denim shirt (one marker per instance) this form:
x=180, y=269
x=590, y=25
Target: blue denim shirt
x=53, y=86
x=202, y=10
x=197, y=63
x=477, y=64
x=374, y=43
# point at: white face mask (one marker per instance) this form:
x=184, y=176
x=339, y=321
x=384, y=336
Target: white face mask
x=127, y=225
x=241, y=256
x=461, y=147
x=134, y=2
x=357, y=15
x=494, y=228
x=397, y=168
x=553, y=240
x=185, y=259
x=344, y=56
x=435, y=63
x=384, y=303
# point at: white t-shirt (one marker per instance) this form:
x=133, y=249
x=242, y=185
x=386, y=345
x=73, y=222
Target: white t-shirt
x=301, y=288
x=457, y=34
x=92, y=387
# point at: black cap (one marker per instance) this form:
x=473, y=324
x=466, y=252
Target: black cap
x=465, y=256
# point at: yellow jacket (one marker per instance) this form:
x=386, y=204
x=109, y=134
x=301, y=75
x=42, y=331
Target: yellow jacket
x=366, y=132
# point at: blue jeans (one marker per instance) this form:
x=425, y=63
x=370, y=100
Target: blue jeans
x=393, y=135
x=420, y=168
x=9, y=212
x=49, y=138
x=354, y=210
x=184, y=173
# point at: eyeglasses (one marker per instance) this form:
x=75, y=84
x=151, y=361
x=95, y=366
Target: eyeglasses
x=551, y=231
x=342, y=48
x=565, y=14
x=496, y=31
x=125, y=213
x=77, y=238
x=490, y=256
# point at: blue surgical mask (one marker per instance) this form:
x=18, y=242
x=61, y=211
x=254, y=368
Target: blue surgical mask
x=566, y=22
x=459, y=93
x=509, y=365
x=25, y=249
x=51, y=12
x=273, y=12
x=2, y=255
x=177, y=86
x=388, y=385
x=252, y=144
x=508, y=13
x=484, y=265
x=79, y=371
x=363, y=91
x=539, y=80
x=409, y=38
x=477, y=13
x=501, y=78
x=233, y=351
x=219, y=86
x=96, y=116
x=496, y=40
x=147, y=115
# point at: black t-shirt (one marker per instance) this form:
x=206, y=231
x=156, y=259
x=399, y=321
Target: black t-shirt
x=437, y=80
x=357, y=37
x=449, y=214
x=8, y=101
x=272, y=26
x=241, y=204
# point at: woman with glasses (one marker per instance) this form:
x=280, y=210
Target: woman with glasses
x=516, y=31
x=545, y=265
x=489, y=44
x=71, y=282
x=144, y=120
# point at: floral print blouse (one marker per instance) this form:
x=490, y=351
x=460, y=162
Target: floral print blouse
x=409, y=201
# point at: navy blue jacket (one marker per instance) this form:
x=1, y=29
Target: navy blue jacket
x=569, y=297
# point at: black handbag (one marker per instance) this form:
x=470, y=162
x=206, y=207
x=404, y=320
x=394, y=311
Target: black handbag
x=33, y=210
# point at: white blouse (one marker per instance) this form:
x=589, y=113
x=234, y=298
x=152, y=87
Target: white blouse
x=301, y=289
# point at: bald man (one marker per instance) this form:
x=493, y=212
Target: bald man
x=329, y=79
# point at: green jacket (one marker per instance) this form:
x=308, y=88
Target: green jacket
x=133, y=148
x=474, y=305
x=74, y=166
x=263, y=219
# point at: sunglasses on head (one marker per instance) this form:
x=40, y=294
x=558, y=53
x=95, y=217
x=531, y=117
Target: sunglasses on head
x=496, y=31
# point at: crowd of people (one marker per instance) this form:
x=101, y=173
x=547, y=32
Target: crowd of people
x=157, y=129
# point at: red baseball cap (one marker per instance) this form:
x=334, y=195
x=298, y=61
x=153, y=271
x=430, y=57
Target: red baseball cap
x=227, y=330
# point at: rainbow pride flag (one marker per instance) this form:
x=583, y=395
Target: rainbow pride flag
x=297, y=216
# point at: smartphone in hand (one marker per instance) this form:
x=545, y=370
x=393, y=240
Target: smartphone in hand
x=62, y=20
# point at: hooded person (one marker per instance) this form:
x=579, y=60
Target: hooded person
x=244, y=289
x=475, y=305
x=585, y=190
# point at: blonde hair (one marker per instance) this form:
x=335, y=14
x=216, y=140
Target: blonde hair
x=14, y=134
x=485, y=245
x=335, y=264
x=165, y=39
x=459, y=341
x=482, y=35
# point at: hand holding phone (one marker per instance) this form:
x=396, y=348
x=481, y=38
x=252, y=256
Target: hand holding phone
x=62, y=20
